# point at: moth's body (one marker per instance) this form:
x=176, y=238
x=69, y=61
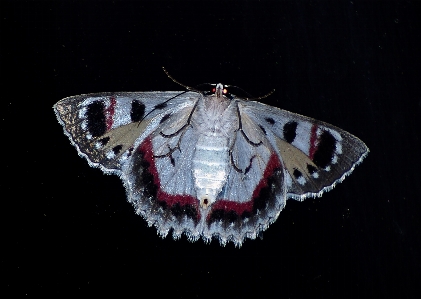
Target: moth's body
x=208, y=165
x=215, y=122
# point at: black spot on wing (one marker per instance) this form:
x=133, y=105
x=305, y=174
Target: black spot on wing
x=161, y=106
x=297, y=174
x=190, y=211
x=325, y=150
x=270, y=120
x=117, y=149
x=311, y=169
x=144, y=180
x=290, y=131
x=217, y=215
x=179, y=211
x=162, y=204
x=138, y=111
x=227, y=217
x=231, y=216
x=130, y=150
x=96, y=120
x=268, y=193
x=104, y=140
x=246, y=214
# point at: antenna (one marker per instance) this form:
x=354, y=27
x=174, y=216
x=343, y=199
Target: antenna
x=265, y=96
x=175, y=81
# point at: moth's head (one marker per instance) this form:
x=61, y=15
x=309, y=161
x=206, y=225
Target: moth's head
x=219, y=90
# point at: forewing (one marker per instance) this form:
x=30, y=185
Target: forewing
x=315, y=155
x=106, y=127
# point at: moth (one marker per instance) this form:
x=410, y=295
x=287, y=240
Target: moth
x=208, y=164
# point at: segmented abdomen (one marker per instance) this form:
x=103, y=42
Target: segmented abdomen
x=210, y=167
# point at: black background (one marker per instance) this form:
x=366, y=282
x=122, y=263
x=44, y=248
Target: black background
x=67, y=228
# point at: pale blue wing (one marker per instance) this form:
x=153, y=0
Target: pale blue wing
x=315, y=155
x=106, y=127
